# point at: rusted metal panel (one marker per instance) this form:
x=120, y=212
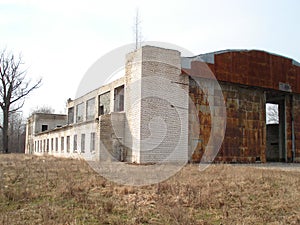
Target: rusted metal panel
x=296, y=107
x=253, y=68
x=244, y=126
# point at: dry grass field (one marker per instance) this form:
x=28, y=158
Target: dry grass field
x=47, y=190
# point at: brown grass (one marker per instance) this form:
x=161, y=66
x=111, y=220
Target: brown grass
x=47, y=190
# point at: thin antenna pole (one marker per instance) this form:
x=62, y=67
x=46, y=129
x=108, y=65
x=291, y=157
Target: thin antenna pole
x=136, y=28
x=137, y=31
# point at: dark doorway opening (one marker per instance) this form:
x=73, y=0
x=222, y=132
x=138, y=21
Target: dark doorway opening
x=275, y=127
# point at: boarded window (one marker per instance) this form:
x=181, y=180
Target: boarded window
x=119, y=99
x=82, y=142
x=104, y=103
x=93, y=140
x=90, y=109
x=79, y=112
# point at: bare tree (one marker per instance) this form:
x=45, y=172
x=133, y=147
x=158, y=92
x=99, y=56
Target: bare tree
x=14, y=87
x=16, y=132
x=272, y=114
x=42, y=109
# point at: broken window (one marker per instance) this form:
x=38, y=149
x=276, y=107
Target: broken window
x=79, y=112
x=92, y=145
x=71, y=115
x=90, y=109
x=119, y=99
x=82, y=143
x=75, y=143
x=44, y=127
x=104, y=103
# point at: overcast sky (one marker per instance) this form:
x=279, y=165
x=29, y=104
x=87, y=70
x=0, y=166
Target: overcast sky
x=60, y=40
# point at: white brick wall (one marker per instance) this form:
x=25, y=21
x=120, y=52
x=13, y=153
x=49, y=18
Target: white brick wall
x=133, y=105
x=165, y=100
x=156, y=106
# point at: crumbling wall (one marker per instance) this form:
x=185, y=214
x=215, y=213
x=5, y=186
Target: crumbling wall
x=112, y=137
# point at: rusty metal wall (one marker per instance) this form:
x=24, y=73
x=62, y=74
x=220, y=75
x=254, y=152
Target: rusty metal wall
x=245, y=135
x=296, y=110
x=292, y=107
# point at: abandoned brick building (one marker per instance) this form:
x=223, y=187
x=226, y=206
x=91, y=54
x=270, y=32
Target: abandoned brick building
x=115, y=117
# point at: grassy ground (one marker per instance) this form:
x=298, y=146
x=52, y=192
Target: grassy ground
x=47, y=190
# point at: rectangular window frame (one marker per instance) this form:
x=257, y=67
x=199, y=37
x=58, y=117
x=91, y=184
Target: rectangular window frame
x=75, y=143
x=90, y=109
x=68, y=143
x=62, y=144
x=80, y=112
x=93, y=142
x=82, y=144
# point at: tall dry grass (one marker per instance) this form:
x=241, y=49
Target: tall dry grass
x=48, y=190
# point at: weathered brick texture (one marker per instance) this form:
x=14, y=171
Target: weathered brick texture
x=157, y=125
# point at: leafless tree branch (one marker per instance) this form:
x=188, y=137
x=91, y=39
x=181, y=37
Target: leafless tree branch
x=14, y=87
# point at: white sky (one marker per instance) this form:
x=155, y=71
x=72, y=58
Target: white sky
x=60, y=40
